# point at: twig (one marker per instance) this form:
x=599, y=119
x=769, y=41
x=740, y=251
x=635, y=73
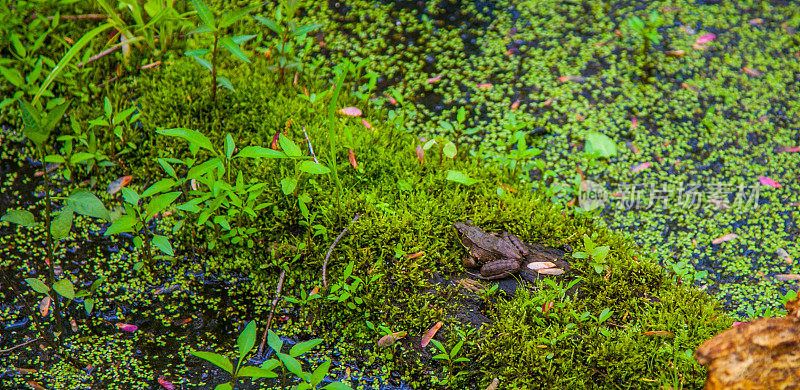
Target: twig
x=19, y=346
x=272, y=310
x=567, y=239
x=99, y=55
x=310, y=148
x=71, y=17
x=330, y=250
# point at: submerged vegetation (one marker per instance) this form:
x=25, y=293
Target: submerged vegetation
x=302, y=216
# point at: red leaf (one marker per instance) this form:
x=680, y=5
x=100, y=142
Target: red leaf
x=574, y=79
x=634, y=123
x=116, y=185
x=274, y=145
x=738, y=323
x=751, y=71
x=550, y=271
x=434, y=79
x=352, y=157
x=127, y=327
x=427, y=337
x=769, y=182
x=350, y=111
x=546, y=307
x=420, y=154
x=366, y=124
x=485, y=85
x=44, y=305
x=390, y=339
x=515, y=105
x=721, y=239
x=165, y=383
x=705, y=38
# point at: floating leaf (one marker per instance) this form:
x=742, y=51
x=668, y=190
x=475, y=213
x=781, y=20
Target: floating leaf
x=787, y=149
x=600, y=144
x=165, y=383
x=769, y=182
x=536, y=265
x=434, y=79
x=751, y=71
x=690, y=87
x=352, y=157
x=721, y=239
x=787, y=277
x=550, y=271
x=426, y=338
x=705, y=38
x=573, y=79
x=44, y=305
x=390, y=339
x=485, y=85
x=127, y=327
x=641, y=167
x=675, y=53
x=350, y=111
x=461, y=178
x=515, y=105
x=116, y=185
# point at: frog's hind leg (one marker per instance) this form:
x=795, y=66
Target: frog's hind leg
x=499, y=269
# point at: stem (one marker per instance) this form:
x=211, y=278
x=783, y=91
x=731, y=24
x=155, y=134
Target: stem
x=51, y=276
x=214, y=70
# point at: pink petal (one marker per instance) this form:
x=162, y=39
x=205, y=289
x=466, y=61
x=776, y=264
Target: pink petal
x=127, y=327
x=350, y=111
x=769, y=182
x=366, y=124
x=705, y=38
x=634, y=123
x=727, y=237
x=166, y=384
x=641, y=167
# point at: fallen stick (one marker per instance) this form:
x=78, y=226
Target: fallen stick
x=272, y=310
x=330, y=250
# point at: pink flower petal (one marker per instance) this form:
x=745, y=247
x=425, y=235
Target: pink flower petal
x=705, y=38
x=166, y=384
x=127, y=327
x=769, y=182
x=350, y=111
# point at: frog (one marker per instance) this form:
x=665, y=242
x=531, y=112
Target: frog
x=498, y=257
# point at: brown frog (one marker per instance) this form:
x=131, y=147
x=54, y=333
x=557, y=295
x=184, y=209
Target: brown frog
x=498, y=257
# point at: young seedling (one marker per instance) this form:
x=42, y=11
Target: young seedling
x=291, y=35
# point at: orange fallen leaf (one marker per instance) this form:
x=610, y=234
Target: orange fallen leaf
x=73, y=324
x=420, y=154
x=690, y=87
x=35, y=385
x=428, y=336
x=618, y=33
x=675, y=53
x=352, y=158
x=390, y=339
x=633, y=147
x=751, y=71
x=727, y=237
x=367, y=125
x=515, y=105
x=705, y=38
x=350, y=111
x=392, y=100
x=116, y=185
x=288, y=123
x=485, y=85
x=44, y=306
x=507, y=187
x=314, y=291
x=641, y=167
x=659, y=333
x=548, y=102
x=550, y=271
x=411, y=256
x=574, y=79
x=755, y=21
x=26, y=370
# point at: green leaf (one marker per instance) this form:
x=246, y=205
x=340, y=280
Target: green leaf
x=270, y=24
x=224, y=386
x=288, y=185
x=222, y=221
x=80, y=157
x=301, y=348
x=86, y=203
x=107, y=106
x=197, y=52
x=123, y=224
x=636, y=23
x=600, y=144
x=303, y=30
x=162, y=243
x=204, y=62
x=604, y=315
x=259, y=152
x=130, y=196
x=290, y=148
x=160, y=202
x=64, y=288
x=13, y=76
x=229, y=146
x=256, y=372
x=71, y=53
x=313, y=168
x=202, y=29
x=61, y=224
x=449, y=150
x=223, y=81
x=337, y=386
x=319, y=373
x=88, y=305
x=233, y=17
x=204, y=12
x=232, y=47
x=270, y=364
x=32, y=123
x=167, y=167
x=243, y=38
x=192, y=136
x=456, y=349
x=215, y=359
x=291, y=364
x=158, y=187
x=19, y=217
x=38, y=285
x=461, y=178
x=247, y=339
x=274, y=342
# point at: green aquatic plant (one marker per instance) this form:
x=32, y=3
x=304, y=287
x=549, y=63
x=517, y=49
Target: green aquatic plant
x=451, y=358
x=293, y=43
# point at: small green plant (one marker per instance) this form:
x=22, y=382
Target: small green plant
x=155, y=22
x=647, y=31
x=596, y=255
x=450, y=359
x=685, y=272
x=246, y=341
x=292, y=36
x=290, y=365
x=446, y=148
x=210, y=24
x=347, y=291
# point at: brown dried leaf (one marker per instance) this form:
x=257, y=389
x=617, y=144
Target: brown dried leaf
x=641, y=167
x=493, y=386
x=352, y=157
x=44, y=306
x=73, y=324
x=755, y=21
x=751, y=71
x=726, y=237
x=117, y=185
x=690, y=87
x=537, y=265
x=550, y=271
x=350, y=111
x=390, y=339
x=420, y=154
x=783, y=255
x=485, y=85
x=675, y=53
x=426, y=339
x=659, y=333
x=414, y=255
x=574, y=79
x=434, y=79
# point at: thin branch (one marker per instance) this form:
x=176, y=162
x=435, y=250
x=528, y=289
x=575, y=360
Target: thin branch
x=330, y=250
x=71, y=17
x=99, y=55
x=272, y=310
x=7, y=350
x=310, y=148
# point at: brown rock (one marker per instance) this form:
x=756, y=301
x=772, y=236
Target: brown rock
x=762, y=354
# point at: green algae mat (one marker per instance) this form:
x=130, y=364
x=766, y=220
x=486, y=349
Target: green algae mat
x=180, y=177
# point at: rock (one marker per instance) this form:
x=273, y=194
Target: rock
x=761, y=354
